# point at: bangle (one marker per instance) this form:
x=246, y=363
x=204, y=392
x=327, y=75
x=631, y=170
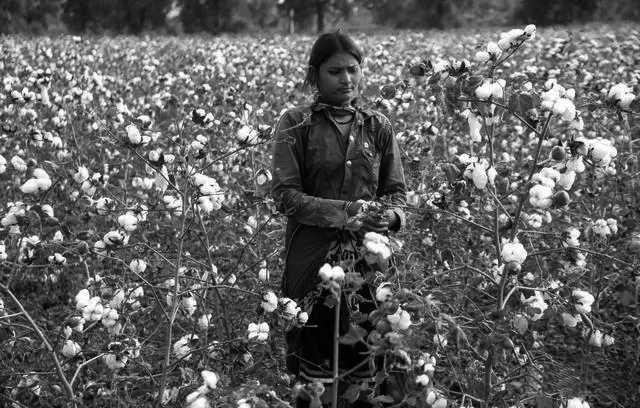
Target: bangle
x=347, y=207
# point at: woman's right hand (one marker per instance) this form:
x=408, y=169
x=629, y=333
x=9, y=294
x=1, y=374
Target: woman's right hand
x=368, y=217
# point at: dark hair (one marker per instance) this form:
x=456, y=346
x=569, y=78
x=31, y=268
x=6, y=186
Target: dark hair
x=325, y=46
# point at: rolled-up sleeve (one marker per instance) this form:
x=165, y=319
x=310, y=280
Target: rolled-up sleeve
x=287, y=189
x=391, y=178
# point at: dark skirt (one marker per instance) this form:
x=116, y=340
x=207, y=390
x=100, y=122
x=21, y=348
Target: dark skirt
x=310, y=347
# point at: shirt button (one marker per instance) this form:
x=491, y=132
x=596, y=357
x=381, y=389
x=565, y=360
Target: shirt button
x=348, y=163
x=351, y=138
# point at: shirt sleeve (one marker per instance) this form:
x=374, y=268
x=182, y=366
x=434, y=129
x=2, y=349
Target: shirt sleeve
x=287, y=187
x=391, y=180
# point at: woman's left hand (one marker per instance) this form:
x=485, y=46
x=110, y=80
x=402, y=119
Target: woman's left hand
x=389, y=220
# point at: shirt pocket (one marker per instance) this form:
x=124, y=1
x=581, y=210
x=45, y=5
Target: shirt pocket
x=371, y=164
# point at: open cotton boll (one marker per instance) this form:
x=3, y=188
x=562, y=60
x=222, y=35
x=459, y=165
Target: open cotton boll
x=541, y=196
x=70, y=348
x=400, y=320
x=513, y=252
x=210, y=379
x=128, y=221
x=494, y=50
x=40, y=174
x=133, y=134
x=484, y=91
x=474, y=125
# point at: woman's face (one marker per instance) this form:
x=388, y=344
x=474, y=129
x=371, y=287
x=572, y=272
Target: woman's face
x=339, y=79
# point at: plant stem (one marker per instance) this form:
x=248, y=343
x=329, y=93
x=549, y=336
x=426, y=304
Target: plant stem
x=175, y=303
x=542, y=136
x=46, y=342
x=336, y=351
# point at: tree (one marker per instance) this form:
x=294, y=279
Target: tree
x=304, y=11
x=116, y=15
x=414, y=13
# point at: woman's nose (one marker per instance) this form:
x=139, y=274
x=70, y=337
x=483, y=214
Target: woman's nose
x=345, y=78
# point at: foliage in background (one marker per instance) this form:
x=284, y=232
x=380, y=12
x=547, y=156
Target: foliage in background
x=216, y=16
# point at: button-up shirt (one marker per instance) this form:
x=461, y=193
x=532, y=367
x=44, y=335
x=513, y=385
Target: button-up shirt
x=317, y=170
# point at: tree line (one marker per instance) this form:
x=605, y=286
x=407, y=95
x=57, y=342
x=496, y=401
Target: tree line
x=216, y=16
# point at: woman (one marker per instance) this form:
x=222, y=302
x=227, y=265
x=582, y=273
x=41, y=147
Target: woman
x=328, y=159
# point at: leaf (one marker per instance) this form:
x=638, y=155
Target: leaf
x=385, y=399
x=521, y=103
x=352, y=393
x=543, y=401
x=354, y=335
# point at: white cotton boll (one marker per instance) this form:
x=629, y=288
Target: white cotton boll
x=325, y=272
x=566, y=179
x=30, y=186
x=596, y=338
x=182, y=348
x=479, y=176
x=248, y=135
x=431, y=397
x=199, y=402
x=133, y=134
x=608, y=340
x=601, y=228
x=258, y=332
x=482, y=56
x=513, y=252
x=570, y=94
x=494, y=49
x=210, y=379
x=484, y=91
x=602, y=151
x=81, y=175
x=113, y=238
x=504, y=43
x=583, y=300
x=82, y=299
x=541, y=196
x=117, y=300
x=269, y=302
x=384, y=292
x=128, y=221
x=112, y=361
x=70, y=348
x=491, y=175
x=205, y=204
x=189, y=305
x=535, y=221
x=577, y=403
x=204, y=321
x=536, y=302
x=474, y=125
x=400, y=320
x=3, y=164
x=40, y=174
x=422, y=380
x=576, y=164
x=621, y=95
x=377, y=244
x=440, y=403
x=530, y=29
x=18, y=164
x=263, y=274
x=138, y=265
x=291, y=308
x=570, y=320
x=109, y=317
